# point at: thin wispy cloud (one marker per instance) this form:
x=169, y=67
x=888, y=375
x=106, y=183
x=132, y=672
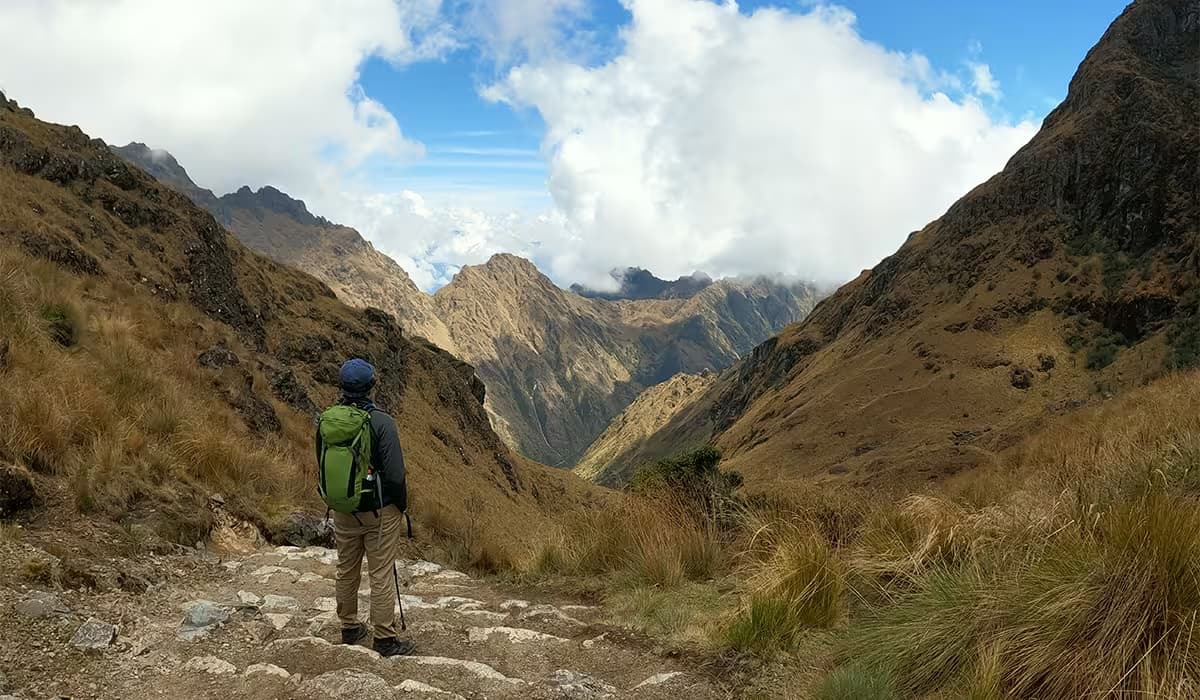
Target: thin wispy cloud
x=473, y=151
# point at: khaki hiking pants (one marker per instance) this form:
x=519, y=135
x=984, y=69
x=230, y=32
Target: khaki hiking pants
x=358, y=534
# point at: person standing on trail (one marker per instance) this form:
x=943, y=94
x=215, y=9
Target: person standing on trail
x=362, y=479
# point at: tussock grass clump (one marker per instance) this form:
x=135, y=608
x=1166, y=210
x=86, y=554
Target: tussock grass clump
x=640, y=539
x=855, y=683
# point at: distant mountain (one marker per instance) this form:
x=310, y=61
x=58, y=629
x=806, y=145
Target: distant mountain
x=282, y=228
x=558, y=366
x=1072, y=275
x=636, y=283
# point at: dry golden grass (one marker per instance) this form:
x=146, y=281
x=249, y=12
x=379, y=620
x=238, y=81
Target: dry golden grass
x=121, y=414
x=1072, y=569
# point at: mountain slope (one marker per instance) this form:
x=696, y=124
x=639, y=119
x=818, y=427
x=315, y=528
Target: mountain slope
x=274, y=224
x=154, y=360
x=1067, y=277
x=559, y=366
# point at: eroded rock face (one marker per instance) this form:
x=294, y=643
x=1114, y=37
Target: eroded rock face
x=17, y=490
x=305, y=530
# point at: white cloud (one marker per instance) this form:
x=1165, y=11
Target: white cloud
x=257, y=92
x=983, y=82
x=514, y=29
x=779, y=142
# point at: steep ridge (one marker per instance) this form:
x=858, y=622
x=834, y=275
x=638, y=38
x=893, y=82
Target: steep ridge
x=261, y=338
x=559, y=366
x=1068, y=277
x=274, y=224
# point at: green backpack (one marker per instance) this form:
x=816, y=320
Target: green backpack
x=345, y=460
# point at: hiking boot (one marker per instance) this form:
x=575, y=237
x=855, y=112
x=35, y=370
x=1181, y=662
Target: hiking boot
x=390, y=646
x=354, y=635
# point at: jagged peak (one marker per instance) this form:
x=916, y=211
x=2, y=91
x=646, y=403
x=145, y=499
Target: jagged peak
x=273, y=199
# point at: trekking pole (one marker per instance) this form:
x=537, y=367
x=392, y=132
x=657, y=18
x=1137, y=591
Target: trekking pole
x=396, y=579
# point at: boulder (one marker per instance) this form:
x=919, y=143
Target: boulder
x=41, y=604
x=345, y=683
x=305, y=530
x=94, y=635
x=199, y=618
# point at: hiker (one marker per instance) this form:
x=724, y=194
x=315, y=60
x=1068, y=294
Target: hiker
x=362, y=480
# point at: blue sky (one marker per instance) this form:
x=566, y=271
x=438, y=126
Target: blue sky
x=476, y=148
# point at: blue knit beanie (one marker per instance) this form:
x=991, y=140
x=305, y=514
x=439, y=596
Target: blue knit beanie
x=357, y=378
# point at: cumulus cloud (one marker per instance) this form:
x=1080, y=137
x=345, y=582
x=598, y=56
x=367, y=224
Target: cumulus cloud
x=258, y=92
x=511, y=29
x=779, y=142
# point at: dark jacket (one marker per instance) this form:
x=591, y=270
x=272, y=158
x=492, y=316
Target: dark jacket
x=387, y=459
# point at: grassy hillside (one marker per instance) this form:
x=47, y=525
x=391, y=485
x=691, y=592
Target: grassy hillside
x=149, y=361
x=1069, y=569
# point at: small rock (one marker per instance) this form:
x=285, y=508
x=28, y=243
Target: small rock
x=280, y=602
x=248, y=599
x=210, y=664
x=590, y=643
x=314, y=578
x=267, y=669
x=1021, y=378
x=420, y=568
x=41, y=604
x=510, y=604
x=218, y=356
x=94, y=635
x=579, y=686
x=658, y=679
x=264, y=573
x=345, y=683
x=231, y=565
x=542, y=611
x=450, y=575
x=411, y=686
x=515, y=635
x=199, y=617
x=325, y=604
x=278, y=621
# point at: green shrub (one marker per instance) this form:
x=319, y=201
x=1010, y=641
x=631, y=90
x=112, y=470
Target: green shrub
x=62, y=324
x=855, y=683
x=694, y=478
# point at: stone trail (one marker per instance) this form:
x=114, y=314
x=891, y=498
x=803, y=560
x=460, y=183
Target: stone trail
x=266, y=628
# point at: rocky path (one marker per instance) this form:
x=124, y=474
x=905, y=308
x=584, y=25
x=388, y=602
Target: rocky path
x=263, y=626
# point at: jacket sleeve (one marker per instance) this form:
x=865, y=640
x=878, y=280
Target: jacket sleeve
x=391, y=460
